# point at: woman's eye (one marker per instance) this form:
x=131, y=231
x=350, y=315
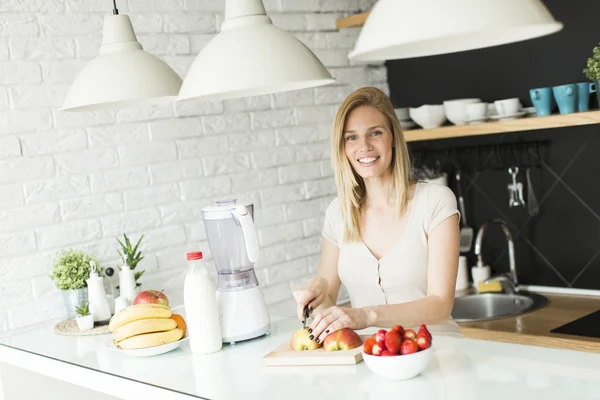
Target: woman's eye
x=376, y=133
x=351, y=137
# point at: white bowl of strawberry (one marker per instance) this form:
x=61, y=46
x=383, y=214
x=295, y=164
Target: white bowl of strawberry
x=398, y=354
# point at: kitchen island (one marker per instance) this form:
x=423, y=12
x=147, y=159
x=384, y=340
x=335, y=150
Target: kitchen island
x=460, y=369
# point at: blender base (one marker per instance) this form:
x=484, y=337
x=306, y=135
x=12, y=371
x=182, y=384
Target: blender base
x=243, y=315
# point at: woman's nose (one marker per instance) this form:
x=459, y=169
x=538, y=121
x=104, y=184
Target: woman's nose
x=364, y=144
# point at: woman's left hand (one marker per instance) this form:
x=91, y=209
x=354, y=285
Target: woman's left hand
x=335, y=318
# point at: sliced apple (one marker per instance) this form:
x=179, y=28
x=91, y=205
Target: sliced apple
x=300, y=341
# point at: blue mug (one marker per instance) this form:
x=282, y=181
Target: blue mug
x=566, y=98
x=542, y=101
x=584, y=89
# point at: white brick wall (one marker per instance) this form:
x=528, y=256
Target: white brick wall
x=80, y=179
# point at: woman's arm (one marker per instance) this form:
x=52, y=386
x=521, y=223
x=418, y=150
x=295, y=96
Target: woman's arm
x=322, y=291
x=444, y=245
x=435, y=309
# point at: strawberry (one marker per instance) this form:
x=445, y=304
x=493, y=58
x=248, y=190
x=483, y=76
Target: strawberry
x=387, y=353
x=393, y=342
x=368, y=345
x=399, y=329
x=422, y=342
x=378, y=348
x=409, y=333
x=380, y=336
x=408, y=346
x=425, y=332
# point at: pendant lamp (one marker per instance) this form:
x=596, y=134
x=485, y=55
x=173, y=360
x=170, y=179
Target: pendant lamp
x=397, y=29
x=123, y=75
x=251, y=57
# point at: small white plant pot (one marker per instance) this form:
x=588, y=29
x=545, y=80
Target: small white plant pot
x=85, y=323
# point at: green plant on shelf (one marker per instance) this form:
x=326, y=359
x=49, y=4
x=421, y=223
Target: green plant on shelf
x=83, y=310
x=592, y=70
x=130, y=254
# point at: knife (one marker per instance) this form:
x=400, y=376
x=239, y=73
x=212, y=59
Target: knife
x=305, y=316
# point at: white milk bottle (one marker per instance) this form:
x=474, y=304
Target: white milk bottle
x=201, y=309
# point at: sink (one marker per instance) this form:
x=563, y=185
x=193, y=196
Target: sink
x=488, y=306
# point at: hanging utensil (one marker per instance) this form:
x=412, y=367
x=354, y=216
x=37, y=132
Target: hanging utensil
x=515, y=189
x=466, y=232
x=533, y=208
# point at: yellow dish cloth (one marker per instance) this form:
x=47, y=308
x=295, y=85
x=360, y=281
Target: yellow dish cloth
x=489, y=287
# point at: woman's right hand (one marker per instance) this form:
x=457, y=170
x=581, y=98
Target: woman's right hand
x=312, y=294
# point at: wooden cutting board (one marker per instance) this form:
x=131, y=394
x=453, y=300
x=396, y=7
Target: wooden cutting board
x=284, y=356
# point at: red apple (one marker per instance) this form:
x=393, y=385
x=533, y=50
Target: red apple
x=301, y=341
x=151, y=297
x=409, y=333
x=344, y=339
x=408, y=347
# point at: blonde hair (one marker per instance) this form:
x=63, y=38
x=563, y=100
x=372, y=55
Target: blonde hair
x=350, y=186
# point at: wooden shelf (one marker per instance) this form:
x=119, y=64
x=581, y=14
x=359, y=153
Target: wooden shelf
x=489, y=128
x=351, y=21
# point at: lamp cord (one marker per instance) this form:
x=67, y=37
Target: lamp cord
x=115, y=11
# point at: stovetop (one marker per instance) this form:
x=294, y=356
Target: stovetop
x=588, y=326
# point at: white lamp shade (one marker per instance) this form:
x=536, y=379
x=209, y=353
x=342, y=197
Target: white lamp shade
x=251, y=57
x=123, y=75
x=397, y=29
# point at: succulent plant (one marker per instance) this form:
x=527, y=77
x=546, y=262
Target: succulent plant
x=130, y=254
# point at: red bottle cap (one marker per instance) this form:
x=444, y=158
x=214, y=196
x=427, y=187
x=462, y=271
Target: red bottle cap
x=194, y=255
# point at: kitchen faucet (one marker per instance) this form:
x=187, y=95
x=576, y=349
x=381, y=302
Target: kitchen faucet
x=510, y=278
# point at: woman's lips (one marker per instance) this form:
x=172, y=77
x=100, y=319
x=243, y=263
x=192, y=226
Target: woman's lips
x=367, y=161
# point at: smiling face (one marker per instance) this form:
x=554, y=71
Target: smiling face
x=368, y=142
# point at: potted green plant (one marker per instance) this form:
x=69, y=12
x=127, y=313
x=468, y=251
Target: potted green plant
x=592, y=70
x=70, y=270
x=131, y=256
x=84, y=318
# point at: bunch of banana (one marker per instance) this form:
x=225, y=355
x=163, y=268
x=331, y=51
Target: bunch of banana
x=144, y=325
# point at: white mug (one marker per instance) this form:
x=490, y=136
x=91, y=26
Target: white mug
x=507, y=106
x=462, y=278
x=480, y=274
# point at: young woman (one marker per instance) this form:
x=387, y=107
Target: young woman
x=392, y=242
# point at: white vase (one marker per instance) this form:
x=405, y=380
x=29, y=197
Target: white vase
x=85, y=323
x=127, y=284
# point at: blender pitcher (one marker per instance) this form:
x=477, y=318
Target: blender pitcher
x=234, y=247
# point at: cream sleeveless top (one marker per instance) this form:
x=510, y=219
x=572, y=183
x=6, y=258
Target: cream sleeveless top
x=401, y=274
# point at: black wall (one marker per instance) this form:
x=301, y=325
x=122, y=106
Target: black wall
x=561, y=245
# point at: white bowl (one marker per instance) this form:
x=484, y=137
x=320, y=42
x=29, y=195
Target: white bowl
x=429, y=116
x=398, y=368
x=456, y=110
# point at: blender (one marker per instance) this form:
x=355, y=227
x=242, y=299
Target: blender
x=233, y=243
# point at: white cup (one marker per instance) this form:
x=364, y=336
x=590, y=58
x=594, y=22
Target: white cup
x=507, y=106
x=480, y=274
x=462, y=278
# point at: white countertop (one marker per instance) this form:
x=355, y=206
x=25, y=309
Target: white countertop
x=460, y=369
